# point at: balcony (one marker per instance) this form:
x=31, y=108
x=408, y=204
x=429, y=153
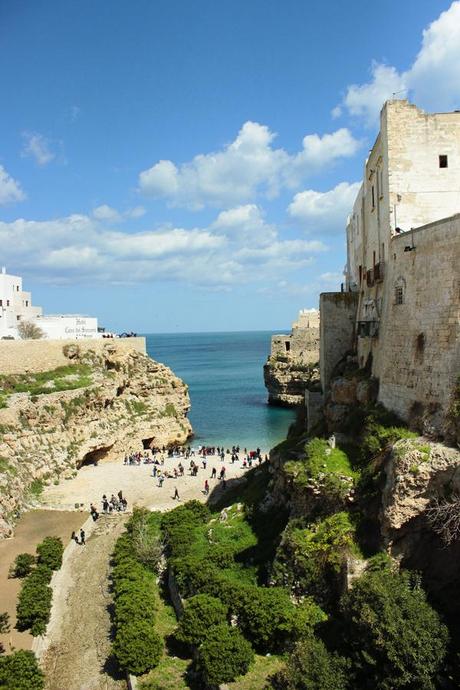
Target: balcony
x=370, y=277
x=368, y=329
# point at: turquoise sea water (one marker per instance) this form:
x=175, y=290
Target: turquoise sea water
x=224, y=372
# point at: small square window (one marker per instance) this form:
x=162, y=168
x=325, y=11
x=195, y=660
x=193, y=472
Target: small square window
x=443, y=162
x=399, y=295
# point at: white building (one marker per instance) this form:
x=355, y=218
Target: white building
x=68, y=327
x=15, y=304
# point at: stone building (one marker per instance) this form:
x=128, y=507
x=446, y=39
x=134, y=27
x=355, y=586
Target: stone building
x=400, y=312
x=292, y=364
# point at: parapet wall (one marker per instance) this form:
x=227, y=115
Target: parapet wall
x=24, y=356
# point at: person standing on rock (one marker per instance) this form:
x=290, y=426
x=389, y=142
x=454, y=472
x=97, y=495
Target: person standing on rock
x=82, y=537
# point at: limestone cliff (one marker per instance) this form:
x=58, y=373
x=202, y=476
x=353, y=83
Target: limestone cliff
x=292, y=366
x=105, y=403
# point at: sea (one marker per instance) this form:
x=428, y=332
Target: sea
x=224, y=372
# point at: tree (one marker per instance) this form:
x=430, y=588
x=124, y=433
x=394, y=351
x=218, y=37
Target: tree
x=22, y=565
x=201, y=613
x=50, y=552
x=29, y=331
x=137, y=647
x=395, y=638
x=224, y=655
x=312, y=667
x=20, y=671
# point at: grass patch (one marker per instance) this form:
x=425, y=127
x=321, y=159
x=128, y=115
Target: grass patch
x=6, y=468
x=35, y=489
x=261, y=670
x=60, y=379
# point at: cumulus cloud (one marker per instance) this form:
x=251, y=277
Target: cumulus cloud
x=432, y=81
x=111, y=215
x=248, y=166
x=10, y=189
x=324, y=211
x=238, y=247
x=36, y=146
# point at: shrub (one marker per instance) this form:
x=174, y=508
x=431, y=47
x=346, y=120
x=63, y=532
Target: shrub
x=20, y=671
x=224, y=655
x=200, y=614
x=22, y=565
x=396, y=639
x=312, y=667
x=34, y=602
x=50, y=552
x=137, y=647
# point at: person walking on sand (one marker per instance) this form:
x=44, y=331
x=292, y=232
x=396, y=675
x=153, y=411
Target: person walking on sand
x=74, y=538
x=176, y=494
x=213, y=473
x=206, y=488
x=82, y=537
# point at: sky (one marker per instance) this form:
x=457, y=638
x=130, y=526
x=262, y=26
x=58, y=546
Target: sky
x=176, y=166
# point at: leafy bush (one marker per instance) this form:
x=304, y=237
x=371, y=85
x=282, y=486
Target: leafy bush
x=395, y=638
x=224, y=655
x=200, y=614
x=312, y=667
x=137, y=646
x=22, y=565
x=34, y=602
x=269, y=619
x=20, y=671
x=309, y=560
x=50, y=552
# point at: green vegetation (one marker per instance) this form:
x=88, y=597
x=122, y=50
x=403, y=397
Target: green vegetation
x=61, y=379
x=22, y=565
x=312, y=667
x=224, y=655
x=170, y=410
x=20, y=671
x=49, y=553
x=35, y=488
x=395, y=638
x=6, y=468
x=137, y=646
x=34, y=602
x=138, y=407
x=201, y=613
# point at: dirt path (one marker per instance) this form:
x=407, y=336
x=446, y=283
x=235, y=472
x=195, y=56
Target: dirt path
x=78, y=637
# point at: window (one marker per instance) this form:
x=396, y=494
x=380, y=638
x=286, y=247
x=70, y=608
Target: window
x=17, y=318
x=7, y=302
x=373, y=196
x=287, y=345
x=27, y=302
x=1, y=303
x=399, y=294
x=443, y=162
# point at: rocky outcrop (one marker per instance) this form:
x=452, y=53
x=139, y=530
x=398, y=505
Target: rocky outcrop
x=416, y=473
x=286, y=381
x=126, y=402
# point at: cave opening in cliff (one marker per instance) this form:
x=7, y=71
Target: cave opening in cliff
x=94, y=456
x=148, y=443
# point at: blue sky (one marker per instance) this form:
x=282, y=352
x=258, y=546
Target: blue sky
x=186, y=166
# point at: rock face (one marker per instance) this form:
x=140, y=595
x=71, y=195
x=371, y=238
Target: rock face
x=126, y=402
x=416, y=472
x=287, y=381
x=292, y=366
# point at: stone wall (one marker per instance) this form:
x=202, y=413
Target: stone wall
x=337, y=328
x=22, y=356
x=417, y=354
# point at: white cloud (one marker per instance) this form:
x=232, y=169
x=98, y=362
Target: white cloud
x=238, y=247
x=10, y=189
x=324, y=211
x=111, y=215
x=38, y=147
x=432, y=81
x=248, y=166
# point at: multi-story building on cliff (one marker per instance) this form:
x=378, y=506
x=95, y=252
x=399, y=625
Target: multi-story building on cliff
x=292, y=364
x=400, y=311
x=15, y=304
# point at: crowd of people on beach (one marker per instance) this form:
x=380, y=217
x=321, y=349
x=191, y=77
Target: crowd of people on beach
x=196, y=458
